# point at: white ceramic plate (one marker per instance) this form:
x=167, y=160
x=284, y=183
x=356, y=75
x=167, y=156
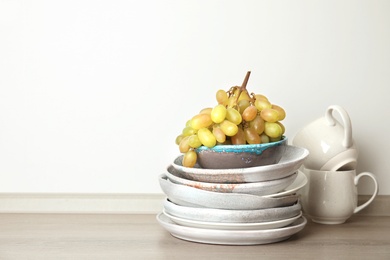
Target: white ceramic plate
x=298, y=184
x=231, y=237
x=256, y=188
x=193, y=197
x=232, y=226
x=231, y=216
x=290, y=162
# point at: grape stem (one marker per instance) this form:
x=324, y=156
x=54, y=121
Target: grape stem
x=245, y=82
x=243, y=86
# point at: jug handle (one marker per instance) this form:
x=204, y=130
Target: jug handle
x=347, y=142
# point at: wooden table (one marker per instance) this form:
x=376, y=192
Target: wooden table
x=82, y=236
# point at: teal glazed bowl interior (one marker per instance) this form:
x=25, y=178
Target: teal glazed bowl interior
x=241, y=156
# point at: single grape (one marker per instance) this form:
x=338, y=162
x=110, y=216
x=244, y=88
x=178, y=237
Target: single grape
x=178, y=139
x=233, y=116
x=249, y=113
x=206, y=137
x=273, y=130
x=189, y=159
x=244, y=95
x=251, y=136
x=269, y=115
x=194, y=141
x=264, y=138
x=238, y=138
x=218, y=113
x=188, y=130
x=229, y=128
x=200, y=121
x=222, y=97
x=257, y=124
x=282, y=126
x=206, y=110
x=219, y=135
x=262, y=104
x=281, y=112
x=260, y=96
x=231, y=101
x=184, y=145
x=243, y=104
x=271, y=139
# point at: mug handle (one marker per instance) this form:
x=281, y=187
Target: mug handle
x=347, y=142
x=356, y=181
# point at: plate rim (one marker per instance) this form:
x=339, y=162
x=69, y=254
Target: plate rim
x=231, y=215
x=234, y=225
x=280, y=184
x=288, y=190
x=231, y=237
x=186, y=195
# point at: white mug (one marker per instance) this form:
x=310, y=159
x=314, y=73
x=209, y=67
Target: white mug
x=330, y=197
x=330, y=143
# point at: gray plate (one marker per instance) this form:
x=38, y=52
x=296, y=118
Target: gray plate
x=256, y=188
x=232, y=226
x=232, y=216
x=231, y=237
x=193, y=197
x=290, y=162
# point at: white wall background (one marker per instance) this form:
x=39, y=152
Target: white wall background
x=93, y=93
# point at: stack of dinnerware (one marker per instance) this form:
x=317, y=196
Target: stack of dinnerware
x=237, y=206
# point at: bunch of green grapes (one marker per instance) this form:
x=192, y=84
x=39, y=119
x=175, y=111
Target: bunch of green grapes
x=237, y=118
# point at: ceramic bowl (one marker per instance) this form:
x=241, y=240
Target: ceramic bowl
x=255, y=188
x=291, y=161
x=241, y=156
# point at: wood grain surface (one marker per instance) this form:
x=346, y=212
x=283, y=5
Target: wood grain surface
x=120, y=236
